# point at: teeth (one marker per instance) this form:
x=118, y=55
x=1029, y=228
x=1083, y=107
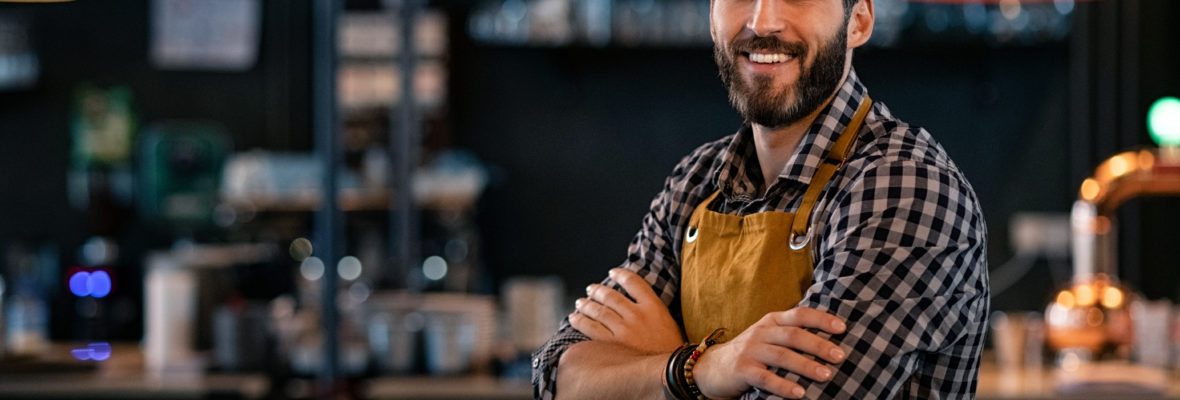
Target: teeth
x=768, y=58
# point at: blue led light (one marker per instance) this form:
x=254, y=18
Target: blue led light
x=80, y=284
x=99, y=284
x=100, y=351
x=82, y=354
x=97, y=351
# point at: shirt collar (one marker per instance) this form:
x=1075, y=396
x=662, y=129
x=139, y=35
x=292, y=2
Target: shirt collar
x=739, y=176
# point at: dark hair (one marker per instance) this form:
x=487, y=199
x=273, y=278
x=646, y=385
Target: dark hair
x=848, y=7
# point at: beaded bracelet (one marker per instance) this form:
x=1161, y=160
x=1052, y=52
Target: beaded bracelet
x=694, y=391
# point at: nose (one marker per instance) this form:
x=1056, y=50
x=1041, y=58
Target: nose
x=767, y=18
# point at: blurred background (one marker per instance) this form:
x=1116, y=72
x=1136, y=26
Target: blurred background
x=402, y=198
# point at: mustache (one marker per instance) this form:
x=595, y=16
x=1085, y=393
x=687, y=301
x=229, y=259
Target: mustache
x=767, y=44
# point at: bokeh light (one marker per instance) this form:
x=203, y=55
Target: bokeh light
x=80, y=284
x=349, y=268
x=96, y=284
x=99, y=284
x=1163, y=121
x=312, y=268
x=434, y=267
x=301, y=249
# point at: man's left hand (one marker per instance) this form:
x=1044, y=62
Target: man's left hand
x=644, y=324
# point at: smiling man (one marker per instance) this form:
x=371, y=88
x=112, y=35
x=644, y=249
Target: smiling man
x=825, y=250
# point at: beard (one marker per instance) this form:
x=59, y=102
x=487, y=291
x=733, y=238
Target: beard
x=758, y=102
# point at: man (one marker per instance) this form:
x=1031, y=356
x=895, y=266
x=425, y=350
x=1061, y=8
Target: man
x=840, y=249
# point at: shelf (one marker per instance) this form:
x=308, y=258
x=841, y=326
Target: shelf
x=467, y=387
x=348, y=200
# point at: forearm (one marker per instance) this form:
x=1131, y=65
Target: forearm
x=601, y=370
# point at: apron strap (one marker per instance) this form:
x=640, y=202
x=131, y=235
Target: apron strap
x=800, y=234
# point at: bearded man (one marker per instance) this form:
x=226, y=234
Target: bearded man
x=825, y=250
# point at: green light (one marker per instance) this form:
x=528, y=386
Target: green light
x=1163, y=121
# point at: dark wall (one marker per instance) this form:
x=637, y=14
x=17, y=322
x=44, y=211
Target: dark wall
x=106, y=43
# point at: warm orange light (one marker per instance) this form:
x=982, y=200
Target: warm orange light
x=1085, y=295
x=1090, y=189
x=1065, y=299
x=1112, y=297
x=1146, y=160
x=1118, y=166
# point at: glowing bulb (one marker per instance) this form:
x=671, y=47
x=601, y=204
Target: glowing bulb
x=99, y=284
x=80, y=284
x=349, y=268
x=1090, y=189
x=1065, y=299
x=312, y=268
x=434, y=267
x=1118, y=166
x=300, y=249
x=1112, y=297
x=1085, y=295
x=1163, y=121
x=1146, y=160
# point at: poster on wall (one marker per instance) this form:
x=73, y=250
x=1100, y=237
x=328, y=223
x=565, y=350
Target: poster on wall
x=19, y=65
x=218, y=35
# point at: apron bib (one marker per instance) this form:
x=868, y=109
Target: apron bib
x=736, y=269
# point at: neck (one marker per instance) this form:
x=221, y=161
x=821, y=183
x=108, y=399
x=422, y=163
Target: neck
x=776, y=145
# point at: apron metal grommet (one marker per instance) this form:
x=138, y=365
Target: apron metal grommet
x=799, y=242
x=692, y=234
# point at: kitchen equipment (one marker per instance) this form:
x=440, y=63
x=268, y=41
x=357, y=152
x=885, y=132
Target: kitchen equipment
x=1094, y=312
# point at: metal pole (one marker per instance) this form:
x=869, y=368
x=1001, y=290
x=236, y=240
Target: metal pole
x=404, y=134
x=328, y=221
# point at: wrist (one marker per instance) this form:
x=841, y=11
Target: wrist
x=707, y=376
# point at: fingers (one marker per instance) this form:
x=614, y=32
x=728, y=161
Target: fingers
x=612, y=299
x=784, y=358
x=804, y=341
x=767, y=380
x=594, y=329
x=809, y=318
x=598, y=312
x=635, y=286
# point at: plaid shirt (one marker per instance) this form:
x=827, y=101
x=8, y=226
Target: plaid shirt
x=899, y=252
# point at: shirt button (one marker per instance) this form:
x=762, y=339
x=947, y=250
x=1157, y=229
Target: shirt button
x=536, y=362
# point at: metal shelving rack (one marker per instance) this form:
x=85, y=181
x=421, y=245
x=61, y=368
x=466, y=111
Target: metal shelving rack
x=328, y=220
x=404, y=137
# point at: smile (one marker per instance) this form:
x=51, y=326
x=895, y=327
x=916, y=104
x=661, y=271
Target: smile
x=769, y=58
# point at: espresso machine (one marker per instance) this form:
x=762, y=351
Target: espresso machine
x=1107, y=338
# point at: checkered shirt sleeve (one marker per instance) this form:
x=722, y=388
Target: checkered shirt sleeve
x=902, y=260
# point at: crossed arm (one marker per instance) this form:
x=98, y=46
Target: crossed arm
x=909, y=280
x=631, y=341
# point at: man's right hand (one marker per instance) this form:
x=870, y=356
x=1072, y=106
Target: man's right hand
x=778, y=340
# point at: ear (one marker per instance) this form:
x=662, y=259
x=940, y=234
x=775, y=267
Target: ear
x=712, y=23
x=860, y=23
